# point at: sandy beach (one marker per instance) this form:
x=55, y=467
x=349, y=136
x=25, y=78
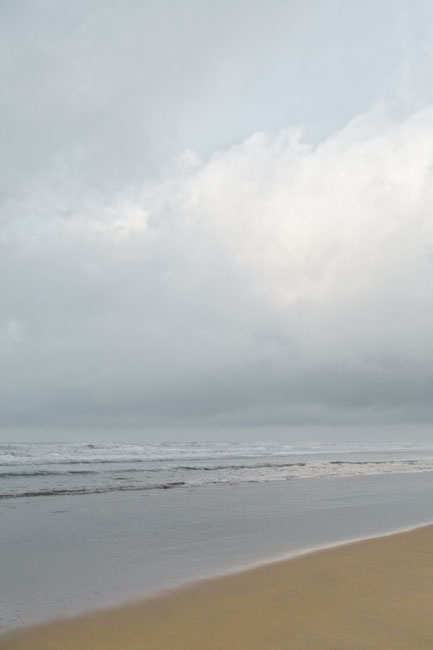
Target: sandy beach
x=374, y=594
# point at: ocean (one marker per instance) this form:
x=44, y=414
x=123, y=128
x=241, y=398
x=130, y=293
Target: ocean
x=91, y=525
x=38, y=469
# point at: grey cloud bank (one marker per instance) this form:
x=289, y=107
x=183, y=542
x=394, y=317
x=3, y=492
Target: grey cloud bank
x=158, y=273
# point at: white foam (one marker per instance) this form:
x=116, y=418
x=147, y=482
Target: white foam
x=63, y=453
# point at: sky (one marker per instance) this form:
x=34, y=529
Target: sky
x=216, y=217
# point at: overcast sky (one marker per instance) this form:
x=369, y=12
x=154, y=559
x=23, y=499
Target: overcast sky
x=215, y=216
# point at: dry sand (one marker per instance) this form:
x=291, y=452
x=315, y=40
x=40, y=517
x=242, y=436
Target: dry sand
x=375, y=594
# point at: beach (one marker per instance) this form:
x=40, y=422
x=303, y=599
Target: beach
x=187, y=555
x=373, y=594
x=216, y=307
x=63, y=555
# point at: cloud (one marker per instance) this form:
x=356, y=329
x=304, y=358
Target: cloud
x=98, y=93
x=275, y=282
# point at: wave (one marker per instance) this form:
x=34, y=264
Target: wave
x=36, y=470
x=243, y=475
x=80, y=491
x=109, y=453
x=265, y=465
x=372, y=462
x=206, y=468
x=42, y=472
x=198, y=468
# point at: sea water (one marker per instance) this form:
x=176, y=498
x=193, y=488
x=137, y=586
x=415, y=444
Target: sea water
x=85, y=526
x=28, y=470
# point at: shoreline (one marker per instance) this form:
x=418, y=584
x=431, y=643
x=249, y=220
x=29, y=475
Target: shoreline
x=189, y=611
x=175, y=538
x=286, y=557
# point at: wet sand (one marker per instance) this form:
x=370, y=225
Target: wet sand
x=375, y=594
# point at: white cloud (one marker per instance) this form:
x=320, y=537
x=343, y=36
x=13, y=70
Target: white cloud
x=275, y=280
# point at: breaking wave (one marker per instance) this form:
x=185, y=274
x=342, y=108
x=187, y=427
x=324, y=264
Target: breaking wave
x=36, y=470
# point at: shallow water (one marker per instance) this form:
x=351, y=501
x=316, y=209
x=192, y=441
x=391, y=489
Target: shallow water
x=65, y=554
